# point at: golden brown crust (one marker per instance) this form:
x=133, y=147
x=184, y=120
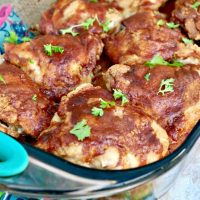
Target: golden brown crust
x=62, y=72
x=65, y=14
x=188, y=17
x=17, y=107
x=141, y=39
x=124, y=137
x=175, y=111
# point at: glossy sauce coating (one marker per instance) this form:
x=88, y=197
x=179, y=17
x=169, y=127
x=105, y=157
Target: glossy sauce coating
x=176, y=111
x=18, y=107
x=126, y=129
x=61, y=72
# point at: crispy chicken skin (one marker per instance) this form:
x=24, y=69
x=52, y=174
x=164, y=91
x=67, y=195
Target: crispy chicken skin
x=64, y=14
x=188, y=17
x=142, y=38
x=62, y=72
x=124, y=137
x=22, y=106
x=132, y=6
x=177, y=111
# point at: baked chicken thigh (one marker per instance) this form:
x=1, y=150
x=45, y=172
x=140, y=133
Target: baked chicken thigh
x=120, y=137
x=23, y=108
x=147, y=34
x=81, y=15
x=57, y=63
x=187, y=14
x=170, y=95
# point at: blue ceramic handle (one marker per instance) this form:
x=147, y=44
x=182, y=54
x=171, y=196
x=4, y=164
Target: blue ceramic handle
x=13, y=157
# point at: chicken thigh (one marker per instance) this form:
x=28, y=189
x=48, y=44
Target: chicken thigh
x=57, y=63
x=23, y=108
x=120, y=137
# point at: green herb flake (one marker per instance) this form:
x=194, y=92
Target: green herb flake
x=2, y=79
x=106, y=104
x=172, y=25
x=118, y=94
x=187, y=41
x=31, y=61
x=195, y=5
x=93, y=1
x=97, y=112
x=81, y=130
x=49, y=49
x=160, y=22
x=111, y=10
x=34, y=97
x=26, y=39
x=13, y=38
x=88, y=23
x=167, y=85
x=159, y=60
x=105, y=25
x=147, y=76
x=69, y=31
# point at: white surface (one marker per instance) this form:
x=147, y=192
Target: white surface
x=187, y=186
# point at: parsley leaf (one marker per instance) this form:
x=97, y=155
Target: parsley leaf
x=34, y=97
x=49, y=49
x=160, y=22
x=88, y=23
x=158, y=60
x=118, y=94
x=106, y=104
x=187, y=41
x=166, y=85
x=26, y=39
x=69, y=31
x=13, y=38
x=105, y=25
x=97, y=112
x=195, y=5
x=2, y=79
x=172, y=25
x=31, y=61
x=81, y=130
x=147, y=76
x=93, y=1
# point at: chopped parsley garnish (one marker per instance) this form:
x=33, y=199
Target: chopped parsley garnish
x=26, y=39
x=88, y=23
x=172, y=25
x=159, y=60
x=49, y=49
x=111, y=10
x=97, y=112
x=160, y=22
x=105, y=25
x=147, y=76
x=166, y=85
x=93, y=1
x=118, y=94
x=13, y=38
x=187, y=41
x=69, y=31
x=34, y=97
x=31, y=61
x=81, y=130
x=195, y=5
x=2, y=79
x=106, y=104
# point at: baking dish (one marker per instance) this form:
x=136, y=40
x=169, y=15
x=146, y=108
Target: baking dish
x=50, y=176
